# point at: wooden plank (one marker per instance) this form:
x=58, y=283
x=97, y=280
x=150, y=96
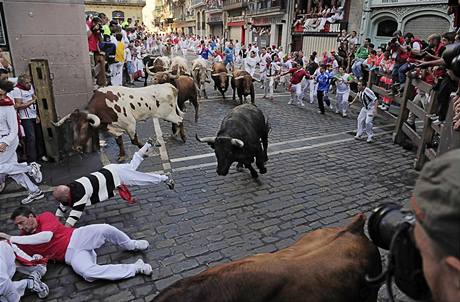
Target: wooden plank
x=387, y=115
x=417, y=110
x=403, y=114
x=450, y=139
x=436, y=128
x=381, y=91
x=423, y=86
x=413, y=136
x=430, y=153
x=40, y=73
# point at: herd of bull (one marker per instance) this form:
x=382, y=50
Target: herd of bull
x=325, y=265
x=242, y=137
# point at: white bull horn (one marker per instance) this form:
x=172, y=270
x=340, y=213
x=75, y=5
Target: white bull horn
x=148, y=70
x=237, y=142
x=95, y=121
x=61, y=121
x=239, y=78
x=209, y=140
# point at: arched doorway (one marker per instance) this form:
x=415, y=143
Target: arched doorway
x=424, y=25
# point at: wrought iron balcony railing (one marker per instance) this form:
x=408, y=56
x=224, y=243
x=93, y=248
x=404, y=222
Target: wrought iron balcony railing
x=115, y=2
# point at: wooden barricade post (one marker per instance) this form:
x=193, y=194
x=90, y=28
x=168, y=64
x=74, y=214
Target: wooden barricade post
x=41, y=76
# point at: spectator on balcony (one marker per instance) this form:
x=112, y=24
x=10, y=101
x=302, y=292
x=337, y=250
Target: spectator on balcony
x=352, y=42
x=335, y=15
x=360, y=56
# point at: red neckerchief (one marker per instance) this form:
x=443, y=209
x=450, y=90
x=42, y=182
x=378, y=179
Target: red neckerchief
x=125, y=194
x=7, y=101
x=22, y=87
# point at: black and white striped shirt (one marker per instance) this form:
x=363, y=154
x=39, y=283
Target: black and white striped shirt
x=88, y=190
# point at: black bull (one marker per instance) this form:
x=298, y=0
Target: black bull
x=243, y=135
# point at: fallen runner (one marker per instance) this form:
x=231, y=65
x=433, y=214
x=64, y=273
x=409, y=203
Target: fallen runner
x=99, y=186
x=45, y=235
x=12, y=258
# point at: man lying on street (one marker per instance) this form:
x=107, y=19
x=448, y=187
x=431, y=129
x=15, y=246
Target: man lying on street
x=99, y=186
x=12, y=258
x=45, y=235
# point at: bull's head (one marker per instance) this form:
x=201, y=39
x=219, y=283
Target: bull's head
x=162, y=77
x=80, y=121
x=246, y=83
x=227, y=151
x=222, y=78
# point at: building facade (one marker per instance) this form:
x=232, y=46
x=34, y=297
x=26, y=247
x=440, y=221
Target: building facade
x=116, y=9
x=235, y=20
x=184, y=17
x=382, y=17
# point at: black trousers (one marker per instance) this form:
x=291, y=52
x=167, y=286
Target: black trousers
x=321, y=100
x=35, y=147
x=444, y=88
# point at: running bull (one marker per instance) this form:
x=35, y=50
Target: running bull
x=243, y=135
x=220, y=77
x=242, y=83
x=154, y=64
x=326, y=265
x=200, y=76
x=116, y=109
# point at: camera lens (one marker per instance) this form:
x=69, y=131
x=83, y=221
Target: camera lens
x=384, y=222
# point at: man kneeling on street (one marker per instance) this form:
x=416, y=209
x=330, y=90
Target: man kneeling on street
x=99, y=186
x=45, y=235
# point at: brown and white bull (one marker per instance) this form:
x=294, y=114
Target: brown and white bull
x=242, y=83
x=116, y=109
x=326, y=265
x=200, y=76
x=220, y=77
x=155, y=64
x=179, y=66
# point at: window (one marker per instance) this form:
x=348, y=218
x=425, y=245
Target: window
x=386, y=28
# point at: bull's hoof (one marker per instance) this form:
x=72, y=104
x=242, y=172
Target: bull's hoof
x=121, y=158
x=254, y=174
x=263, y=170
x=239, y=168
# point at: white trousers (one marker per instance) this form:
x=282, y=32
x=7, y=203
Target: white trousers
x=311, y=90
x=9, y=166
x=130, y=176
x=83, y=259
x=342, y=102
x=269, y=82
x=12, y=291
x=296, y=93
x=116, y=73
x=366, y=122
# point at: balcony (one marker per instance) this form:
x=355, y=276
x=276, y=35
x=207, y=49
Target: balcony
x=235, y=4
x=267, y=7
x=117, y=2
x=197, y=3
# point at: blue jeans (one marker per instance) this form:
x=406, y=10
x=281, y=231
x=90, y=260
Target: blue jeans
x=356, y=68
x=402, y=73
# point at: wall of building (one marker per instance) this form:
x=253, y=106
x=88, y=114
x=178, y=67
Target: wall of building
x=134, y=12
x=61, y=40
x=355, y=16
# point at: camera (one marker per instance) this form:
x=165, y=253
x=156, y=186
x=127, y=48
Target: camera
x=391, y=228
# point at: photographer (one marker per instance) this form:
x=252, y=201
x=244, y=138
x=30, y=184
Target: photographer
x=436, y=204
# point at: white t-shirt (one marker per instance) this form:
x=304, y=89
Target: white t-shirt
x=25, y=96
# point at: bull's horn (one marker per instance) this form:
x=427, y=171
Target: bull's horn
x=61, y=121
x=215, y=74
x=209, y=140
x=239, y=78
x=209, y=69
x=229, y=75
x=95, y=121
x=148, y=70
x=254, y=79
x=237, y=142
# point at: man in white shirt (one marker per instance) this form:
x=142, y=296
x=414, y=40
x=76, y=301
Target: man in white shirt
x=12, y=258
x=366, y=115
x=9, y=142
x=250, y=63
x=264, y=57
x=25, y=103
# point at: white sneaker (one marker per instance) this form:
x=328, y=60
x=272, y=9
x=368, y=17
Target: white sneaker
x=290, y=102
x=344, y=115
x=35, y=172
x=141, y=245
x=332, y=107
x=143, y=268
x=337, y=112
x=33, y=196
x=370, y=140
x=35, y=284
x=358, y=137
x=44, y=158
x=302, y=104
x=170, y=181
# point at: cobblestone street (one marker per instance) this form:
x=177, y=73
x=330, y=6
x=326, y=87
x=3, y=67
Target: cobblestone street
x=318, y=176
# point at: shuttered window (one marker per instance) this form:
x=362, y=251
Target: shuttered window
x=424, y=26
